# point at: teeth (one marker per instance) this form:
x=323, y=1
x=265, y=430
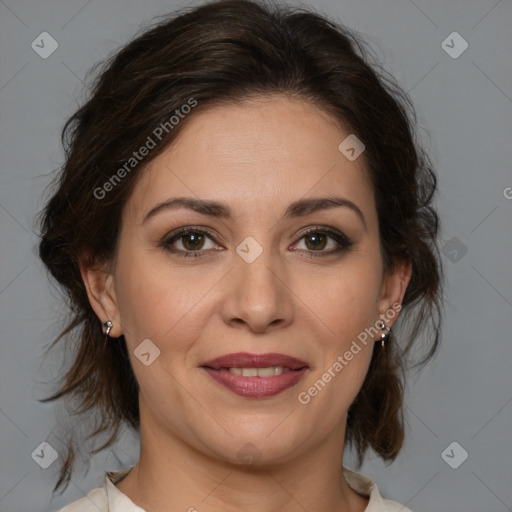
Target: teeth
x=259, y=372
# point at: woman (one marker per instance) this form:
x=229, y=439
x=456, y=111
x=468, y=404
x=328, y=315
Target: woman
x=242, y=216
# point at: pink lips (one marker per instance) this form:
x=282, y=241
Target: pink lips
x=255, y=387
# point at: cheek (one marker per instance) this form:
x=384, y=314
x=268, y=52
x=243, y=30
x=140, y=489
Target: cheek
x=333, y=389
x=345, y=302
x=348, y=312
x=160, y=302
x=346, y=309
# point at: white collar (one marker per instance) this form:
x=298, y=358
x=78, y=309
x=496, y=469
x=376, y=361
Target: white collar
x=119, y=502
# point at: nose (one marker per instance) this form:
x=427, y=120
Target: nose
x=258, y=296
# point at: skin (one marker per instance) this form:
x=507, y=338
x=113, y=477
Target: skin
x=256, y=158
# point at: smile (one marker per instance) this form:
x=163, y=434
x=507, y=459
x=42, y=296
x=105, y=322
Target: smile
x=256, y=387
x=270, y=371
x=256, y=375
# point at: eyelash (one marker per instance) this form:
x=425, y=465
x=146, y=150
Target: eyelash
x=344, y=243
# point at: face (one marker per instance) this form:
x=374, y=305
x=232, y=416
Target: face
x=286, y=286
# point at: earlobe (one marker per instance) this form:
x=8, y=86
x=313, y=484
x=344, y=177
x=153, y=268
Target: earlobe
x=99, y=284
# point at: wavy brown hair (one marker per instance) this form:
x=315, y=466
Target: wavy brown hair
x=224, y=52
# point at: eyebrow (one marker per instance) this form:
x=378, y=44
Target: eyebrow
x=299, y=208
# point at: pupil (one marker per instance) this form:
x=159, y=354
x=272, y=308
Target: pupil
x=194, y=238
x=318, y=242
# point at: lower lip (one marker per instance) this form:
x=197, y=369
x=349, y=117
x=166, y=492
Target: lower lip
x=256, y=387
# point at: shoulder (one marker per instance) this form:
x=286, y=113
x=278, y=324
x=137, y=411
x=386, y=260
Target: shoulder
x=393, y=506
x=95, y=501
x=106, y=498
x=366, y=487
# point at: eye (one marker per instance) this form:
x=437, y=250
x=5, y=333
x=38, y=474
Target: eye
x=316, y=239
x=192, y=241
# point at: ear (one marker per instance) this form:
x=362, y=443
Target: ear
x=99, y=283
x=393, y=288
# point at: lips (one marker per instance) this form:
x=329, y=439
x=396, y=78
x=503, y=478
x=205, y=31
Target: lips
x=231, y=371
x=246, y=360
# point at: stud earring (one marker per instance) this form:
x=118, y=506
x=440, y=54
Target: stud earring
x=383, y=335
x=108, y=327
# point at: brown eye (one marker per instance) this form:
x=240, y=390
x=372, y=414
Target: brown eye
x=317, y=240
x=192, y=243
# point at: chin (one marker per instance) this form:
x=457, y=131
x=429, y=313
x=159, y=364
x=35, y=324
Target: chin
x=257, y=448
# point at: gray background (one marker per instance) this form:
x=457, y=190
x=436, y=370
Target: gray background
x=464, y=107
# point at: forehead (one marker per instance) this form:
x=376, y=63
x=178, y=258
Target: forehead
x=261, y=154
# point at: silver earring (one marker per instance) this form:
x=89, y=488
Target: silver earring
x=108, y=326
x=383, y=335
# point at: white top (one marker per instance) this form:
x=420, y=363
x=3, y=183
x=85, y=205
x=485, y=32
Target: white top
x=110, y=499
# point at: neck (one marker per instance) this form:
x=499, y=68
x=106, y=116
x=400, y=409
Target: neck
x=175, y=476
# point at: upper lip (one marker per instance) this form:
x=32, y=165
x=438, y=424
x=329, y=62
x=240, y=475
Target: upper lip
x=247, y=360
